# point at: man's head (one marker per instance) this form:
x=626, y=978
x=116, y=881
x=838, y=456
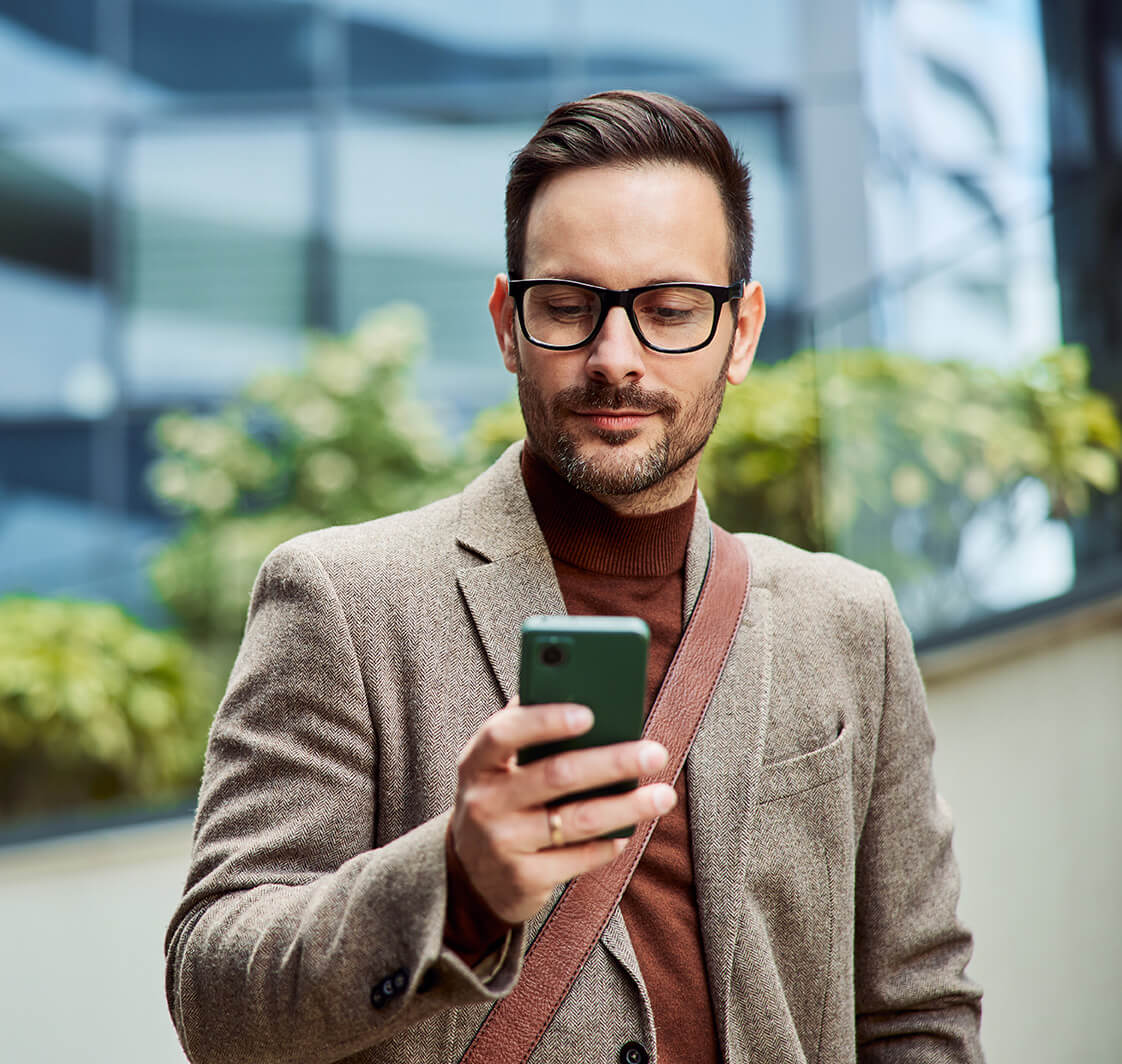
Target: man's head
x=624, y=414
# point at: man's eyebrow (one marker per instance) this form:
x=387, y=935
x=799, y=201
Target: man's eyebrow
x=677, y=278
x=564, y=275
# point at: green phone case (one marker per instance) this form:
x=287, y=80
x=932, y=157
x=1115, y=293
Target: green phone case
x=599, y=662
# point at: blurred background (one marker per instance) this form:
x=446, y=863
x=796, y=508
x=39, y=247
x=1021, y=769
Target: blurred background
x=245, y=249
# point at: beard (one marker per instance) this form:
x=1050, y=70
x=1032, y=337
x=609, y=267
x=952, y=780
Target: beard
x=685, y=431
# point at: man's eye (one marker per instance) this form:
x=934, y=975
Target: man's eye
x=569, y=309
x=670, y=313
x=672, y=306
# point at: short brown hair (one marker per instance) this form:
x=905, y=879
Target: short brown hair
x=625, y=128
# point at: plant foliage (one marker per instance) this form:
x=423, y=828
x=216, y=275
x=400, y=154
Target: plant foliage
x=884, y=457
x=94, y=706
x=338, y=440
x=890, y=460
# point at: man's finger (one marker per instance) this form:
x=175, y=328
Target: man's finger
x=552, y=778
x=590, y=818
x=516, y=727
x=559, y=866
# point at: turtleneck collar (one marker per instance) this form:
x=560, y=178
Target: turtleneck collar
x=584, y=533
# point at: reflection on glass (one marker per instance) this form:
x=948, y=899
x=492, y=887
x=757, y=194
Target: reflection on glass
x=956, y=480
x=282, y=163
x=759, y=135
x=248, y=48
x=48, y=57
x=51, y=306
x=421, y=219
x=217, y=240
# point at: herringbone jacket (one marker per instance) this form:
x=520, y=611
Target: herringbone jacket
x=311, y=926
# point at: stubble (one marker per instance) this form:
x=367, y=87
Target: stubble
x=685, y=432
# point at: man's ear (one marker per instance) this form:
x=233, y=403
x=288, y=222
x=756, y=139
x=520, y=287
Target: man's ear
x=750, y=313
x=501, y=307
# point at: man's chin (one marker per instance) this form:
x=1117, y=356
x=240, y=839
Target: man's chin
x=611, y=468
x=610, y=454
x=616, y=438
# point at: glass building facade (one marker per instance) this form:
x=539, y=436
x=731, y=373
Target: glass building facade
x=187, y=187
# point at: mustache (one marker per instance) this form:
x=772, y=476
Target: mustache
x=607, y=397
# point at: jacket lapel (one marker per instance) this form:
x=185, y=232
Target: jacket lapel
x=512, y=577
x=723, y=771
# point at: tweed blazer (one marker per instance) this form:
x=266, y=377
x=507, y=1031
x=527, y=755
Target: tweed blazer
x=311, y=925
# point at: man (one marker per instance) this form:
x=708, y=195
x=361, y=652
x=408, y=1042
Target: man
x=370, y=862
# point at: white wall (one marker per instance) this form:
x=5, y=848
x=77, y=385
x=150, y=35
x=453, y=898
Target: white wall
x=81, y=927
x=1029, y=755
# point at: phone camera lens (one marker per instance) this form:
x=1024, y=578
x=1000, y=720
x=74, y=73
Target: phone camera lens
x=552, y=654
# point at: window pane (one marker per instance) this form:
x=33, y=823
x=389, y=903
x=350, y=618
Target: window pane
x=621, y=40
x=49, y=302
x=759, y=136
x=410, y=231
x=48, y=56
x=217, y=235
x=957, y=455
x=183, y=46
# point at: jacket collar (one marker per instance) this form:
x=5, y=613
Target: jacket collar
x=516, y=579
x=497, y=523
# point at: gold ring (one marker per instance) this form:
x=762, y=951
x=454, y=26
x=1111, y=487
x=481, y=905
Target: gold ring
x=556, y=835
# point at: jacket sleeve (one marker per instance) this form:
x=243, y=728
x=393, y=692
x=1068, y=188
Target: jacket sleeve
x=914, y=1002
x=295, y=939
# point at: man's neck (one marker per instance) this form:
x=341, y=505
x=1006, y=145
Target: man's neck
x=580, y=530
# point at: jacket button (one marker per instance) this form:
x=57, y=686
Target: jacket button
x=632, y=1053
x=389, y=987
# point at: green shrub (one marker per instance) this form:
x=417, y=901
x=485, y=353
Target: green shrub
x=889, y=432
x=94, y=706
x=338, y=440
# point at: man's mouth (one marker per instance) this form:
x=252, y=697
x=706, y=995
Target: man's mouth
x=614, y=420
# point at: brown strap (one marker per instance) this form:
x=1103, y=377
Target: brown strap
x=516, y=1024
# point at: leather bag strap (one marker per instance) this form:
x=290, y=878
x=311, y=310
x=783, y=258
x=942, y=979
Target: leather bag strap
x=515, y=1025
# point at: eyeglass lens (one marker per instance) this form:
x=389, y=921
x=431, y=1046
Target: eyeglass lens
x=672, y=318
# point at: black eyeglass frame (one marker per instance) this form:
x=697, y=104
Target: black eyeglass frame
x=625, y=297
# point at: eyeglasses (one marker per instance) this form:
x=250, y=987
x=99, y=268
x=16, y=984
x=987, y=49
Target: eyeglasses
x=673, y=318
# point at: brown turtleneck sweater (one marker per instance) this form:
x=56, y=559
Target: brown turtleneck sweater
x=623, y=566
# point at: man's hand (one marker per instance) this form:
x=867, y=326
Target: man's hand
x=501, y=827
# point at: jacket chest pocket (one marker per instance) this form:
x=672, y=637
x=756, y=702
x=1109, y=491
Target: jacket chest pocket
x=782, y=779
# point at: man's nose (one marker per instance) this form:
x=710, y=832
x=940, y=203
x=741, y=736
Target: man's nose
x=616, y=355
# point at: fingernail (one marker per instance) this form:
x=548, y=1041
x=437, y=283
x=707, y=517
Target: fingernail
x=665, y=798
x=652, y=757
x=619, y=845
x=579, y=718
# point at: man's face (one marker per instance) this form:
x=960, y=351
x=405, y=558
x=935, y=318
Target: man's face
x=613, y=417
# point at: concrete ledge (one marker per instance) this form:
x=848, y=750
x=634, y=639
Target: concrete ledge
x=941, y=664
x=115, y=847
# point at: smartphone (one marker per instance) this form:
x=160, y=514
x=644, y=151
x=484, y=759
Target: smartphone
x=599, y=662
